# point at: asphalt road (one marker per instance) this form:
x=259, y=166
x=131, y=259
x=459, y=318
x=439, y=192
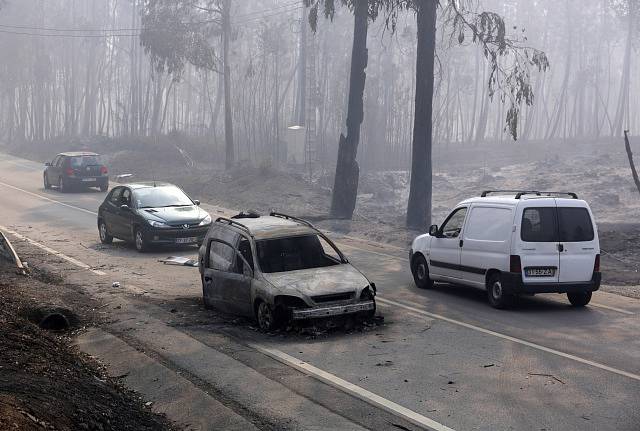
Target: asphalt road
x=443, y=359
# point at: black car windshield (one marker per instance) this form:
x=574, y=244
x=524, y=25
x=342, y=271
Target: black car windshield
x=156, y=197
x=80, y=161
x=295, y=253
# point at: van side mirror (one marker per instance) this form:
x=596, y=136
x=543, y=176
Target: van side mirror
x=433, y=230
x=197, y=202
x=47, y=163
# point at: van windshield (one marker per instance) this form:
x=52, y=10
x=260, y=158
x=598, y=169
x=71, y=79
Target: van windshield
x=562, y=224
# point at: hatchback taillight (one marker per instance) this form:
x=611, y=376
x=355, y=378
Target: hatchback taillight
x=69, y=171
x=596, y=264
x=103, y=170
x=514, y=264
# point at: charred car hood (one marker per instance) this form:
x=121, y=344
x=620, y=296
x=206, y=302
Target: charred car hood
x=319, y=281
x=188, y=214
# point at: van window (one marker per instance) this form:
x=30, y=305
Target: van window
x=539, y=225
x=453, y=225
x=489, y=224
x=575, y=225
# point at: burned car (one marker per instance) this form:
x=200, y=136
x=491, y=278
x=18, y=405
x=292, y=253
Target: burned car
x=279, y=268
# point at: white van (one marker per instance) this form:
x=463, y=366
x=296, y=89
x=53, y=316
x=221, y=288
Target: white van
x=512, y=243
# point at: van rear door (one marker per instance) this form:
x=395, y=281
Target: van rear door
x=578, y=241
x=537, y=242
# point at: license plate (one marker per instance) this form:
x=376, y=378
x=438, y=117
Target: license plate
x=189, y=240
x=88, y=180
x=540, y=272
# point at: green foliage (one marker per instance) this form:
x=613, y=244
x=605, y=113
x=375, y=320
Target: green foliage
x=510, y=59
x=176, y=32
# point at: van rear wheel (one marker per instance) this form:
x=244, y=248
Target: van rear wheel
x=579, y=299
x=420, y=271
x=498, y=298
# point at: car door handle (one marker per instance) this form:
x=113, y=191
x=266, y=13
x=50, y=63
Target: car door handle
x=560, y=248
x=461, y=242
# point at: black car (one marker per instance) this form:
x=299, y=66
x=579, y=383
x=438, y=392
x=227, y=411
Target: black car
x=152, y=213
x=76, y=169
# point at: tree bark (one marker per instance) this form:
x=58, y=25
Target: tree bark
x=420, y=192
x=627, y=146
x=228, y=113
x=345, y=188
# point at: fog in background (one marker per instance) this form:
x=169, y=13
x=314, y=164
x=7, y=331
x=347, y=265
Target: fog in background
x=74, y=74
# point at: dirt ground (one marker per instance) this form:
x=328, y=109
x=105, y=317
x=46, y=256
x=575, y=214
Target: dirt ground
x=597, y=171
x=44, y=382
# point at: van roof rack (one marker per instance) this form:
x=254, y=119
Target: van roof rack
x=233, y=223
x=288, y=217
x=520, y=193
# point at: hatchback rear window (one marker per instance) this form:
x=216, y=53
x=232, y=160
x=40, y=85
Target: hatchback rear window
x=550, y=224
x=80, y=161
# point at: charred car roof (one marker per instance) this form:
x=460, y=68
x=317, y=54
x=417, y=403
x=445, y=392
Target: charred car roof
x=266, y=227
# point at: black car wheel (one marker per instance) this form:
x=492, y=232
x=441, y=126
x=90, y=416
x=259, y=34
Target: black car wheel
x=140, y=242
x=104, y=187
x=498, y=298
x=579, y=299
x=62, y=185
x=420, y=271
x=47, y=184
x=105, y=238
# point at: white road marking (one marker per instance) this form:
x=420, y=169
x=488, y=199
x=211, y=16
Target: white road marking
x=48, y=199
x=351, y=389
x=608, y=307
x=512, y=339
x=52, y=251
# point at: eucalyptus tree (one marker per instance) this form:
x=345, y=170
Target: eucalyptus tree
x=345, y=189
x=510, y=60
x=176, y=32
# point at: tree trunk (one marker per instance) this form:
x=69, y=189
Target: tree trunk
x=622, y=110
x=419, y=208
x=627, y=146
x=345, y=188
x=228, y=120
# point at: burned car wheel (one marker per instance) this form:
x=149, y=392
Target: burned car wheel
x=266, y=317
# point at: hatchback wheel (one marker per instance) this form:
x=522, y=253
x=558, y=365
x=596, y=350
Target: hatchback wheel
x=579, y=299
x=47, y=184
x=498, y=298
x=141, y=243
x=105, y=238
x=266, y=317
x=61, y=185
x=420, y=271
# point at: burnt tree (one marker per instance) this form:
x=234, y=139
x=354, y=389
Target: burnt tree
x=345, y=189
x=627, y=147
x=419, y=207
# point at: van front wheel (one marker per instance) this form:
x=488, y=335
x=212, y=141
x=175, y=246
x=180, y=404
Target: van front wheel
x=579, y=299
x=420, y=271
x=498, y=298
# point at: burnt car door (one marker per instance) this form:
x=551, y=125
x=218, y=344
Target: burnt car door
x=222, y=277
